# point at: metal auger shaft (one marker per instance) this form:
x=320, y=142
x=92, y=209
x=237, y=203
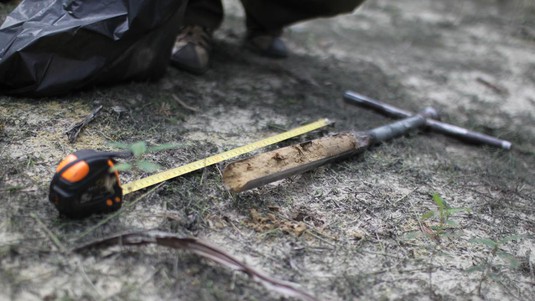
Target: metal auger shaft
x=294, y=159
x=435, y=125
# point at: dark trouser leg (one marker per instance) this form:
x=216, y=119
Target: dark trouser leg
x=273, y=15
x=206, y=13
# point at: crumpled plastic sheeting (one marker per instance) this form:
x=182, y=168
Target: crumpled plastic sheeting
x=50, y=47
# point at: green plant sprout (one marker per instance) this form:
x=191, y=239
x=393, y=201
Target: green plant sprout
x=139, y=150
x=443, y=213
x=489, y=267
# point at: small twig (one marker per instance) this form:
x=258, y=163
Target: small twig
x=17, y=189
x=75, y=130
x=202, y=249
x=312, y=231
x=105, y=136
x=86, y=278
x=530, y=265
x=379, y=253
x=51, y=235
x=493, y=87
x=34, y=277
x=388, y=270
x=406, y=195
x=317, y=235
x=185, y=105
x=236, y=228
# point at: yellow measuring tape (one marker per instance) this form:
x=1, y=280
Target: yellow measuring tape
x=199, y=164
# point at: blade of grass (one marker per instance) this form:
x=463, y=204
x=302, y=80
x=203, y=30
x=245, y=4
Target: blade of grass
x=49, y=233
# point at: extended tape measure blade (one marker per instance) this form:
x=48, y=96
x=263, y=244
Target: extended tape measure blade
x=199, y=164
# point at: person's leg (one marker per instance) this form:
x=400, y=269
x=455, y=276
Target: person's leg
x=205, y=13
x=191, y=51
x=265, y=19
x=274, y=15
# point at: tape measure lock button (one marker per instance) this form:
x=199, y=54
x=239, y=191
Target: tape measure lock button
x=83, y=184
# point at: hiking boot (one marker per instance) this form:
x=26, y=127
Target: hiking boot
x=266, y=44
x=191, y=51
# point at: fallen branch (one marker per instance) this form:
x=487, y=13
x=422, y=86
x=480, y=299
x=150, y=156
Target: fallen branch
x=75, y=130
x=185, y=105
x=495, y=88
x=202, y=249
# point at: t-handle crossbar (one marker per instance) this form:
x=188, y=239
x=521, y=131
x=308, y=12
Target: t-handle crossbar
x=441, y=127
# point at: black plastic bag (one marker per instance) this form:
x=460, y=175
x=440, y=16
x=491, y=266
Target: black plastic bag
x=50, y=47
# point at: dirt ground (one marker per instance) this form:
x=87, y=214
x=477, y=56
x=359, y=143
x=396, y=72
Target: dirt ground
x=356, y=229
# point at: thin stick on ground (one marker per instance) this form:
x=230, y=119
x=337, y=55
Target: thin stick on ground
x=183, y=104
x=75, y=130
x=202, y=249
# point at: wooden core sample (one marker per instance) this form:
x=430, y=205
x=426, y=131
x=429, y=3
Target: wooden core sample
x=283, y=162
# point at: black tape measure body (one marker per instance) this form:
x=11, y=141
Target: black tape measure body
x=83, y=184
